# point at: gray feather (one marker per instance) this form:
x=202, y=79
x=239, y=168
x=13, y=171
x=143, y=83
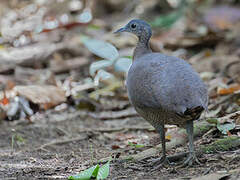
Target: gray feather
x=164, y=82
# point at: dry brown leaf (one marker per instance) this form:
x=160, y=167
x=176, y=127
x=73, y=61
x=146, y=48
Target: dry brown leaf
x=29, y=76
x=4, y=101
x=170, y=37
x=62, y=66
x=168, y=137
x=3, y=114
x=230, y=90
x=238, y=121
x=29, y=55
x=45, y=96
x=222, y=18
x=216, y=63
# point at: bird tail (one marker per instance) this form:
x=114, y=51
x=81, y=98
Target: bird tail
x=194, y=113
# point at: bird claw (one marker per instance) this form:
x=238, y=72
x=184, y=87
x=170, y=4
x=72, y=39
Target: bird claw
x=163, y=161
x=191, y=159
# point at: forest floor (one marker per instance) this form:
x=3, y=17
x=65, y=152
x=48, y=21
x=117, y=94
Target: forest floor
x=63, y=101
x=62, y=144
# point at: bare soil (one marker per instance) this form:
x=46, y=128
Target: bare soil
x=59, y=144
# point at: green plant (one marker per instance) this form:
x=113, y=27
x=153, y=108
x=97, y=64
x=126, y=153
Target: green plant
x=110, y=57
x=223, y=128
x=96, y=172
x=167, y=20
x=17, y=139
x=135, y=145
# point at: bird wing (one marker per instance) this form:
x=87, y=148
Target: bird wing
x=179, y=88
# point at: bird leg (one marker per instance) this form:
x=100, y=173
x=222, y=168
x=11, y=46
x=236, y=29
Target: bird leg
x=163, y=160
x=192, y=158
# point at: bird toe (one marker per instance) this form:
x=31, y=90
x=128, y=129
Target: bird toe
x=191, y=160
x=159, y=163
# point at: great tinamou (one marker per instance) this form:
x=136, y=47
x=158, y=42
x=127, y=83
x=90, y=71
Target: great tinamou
x=164, y=89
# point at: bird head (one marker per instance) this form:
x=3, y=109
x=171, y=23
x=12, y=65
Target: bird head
x=138, y=27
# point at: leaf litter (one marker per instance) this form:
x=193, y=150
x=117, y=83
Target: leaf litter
x=63, y=88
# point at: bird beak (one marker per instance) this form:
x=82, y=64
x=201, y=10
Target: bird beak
x=120, y=30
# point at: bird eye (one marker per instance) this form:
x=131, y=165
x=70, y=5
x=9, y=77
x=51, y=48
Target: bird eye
x=133, y=26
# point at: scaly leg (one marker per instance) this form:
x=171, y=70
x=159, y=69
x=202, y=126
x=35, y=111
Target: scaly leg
x=192, y=158
x=163, y=160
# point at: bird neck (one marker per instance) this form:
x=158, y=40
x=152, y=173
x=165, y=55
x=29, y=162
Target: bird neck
x=142, y=47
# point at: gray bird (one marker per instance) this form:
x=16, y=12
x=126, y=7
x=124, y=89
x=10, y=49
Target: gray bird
x=164, y=89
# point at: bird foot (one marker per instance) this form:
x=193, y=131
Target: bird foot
x=191, y=159
x=163, y=161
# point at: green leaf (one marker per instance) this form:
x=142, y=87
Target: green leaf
x=103, y=171
x=224, y=128
x=100, y=48
x=86, y=174
x=212, y=121
x=135, y=145
x=130, y=57
x=95, y=172
x=99, y=65
x=167, y=20
x=122, y=64
x=94, y=26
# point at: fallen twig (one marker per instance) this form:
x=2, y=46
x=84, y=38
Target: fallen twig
x=57, y=142
x=229, y=116
x=148, y=128
x=129, y=112
x=225, y=70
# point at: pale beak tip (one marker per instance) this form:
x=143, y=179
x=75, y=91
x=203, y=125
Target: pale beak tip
x=119, y=30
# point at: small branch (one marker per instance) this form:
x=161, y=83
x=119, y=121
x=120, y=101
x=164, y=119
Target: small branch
x=234, y=115
x=147, y=128
x=57, y=142
x=225, y=70
x=115, y=129
x=129, y=112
